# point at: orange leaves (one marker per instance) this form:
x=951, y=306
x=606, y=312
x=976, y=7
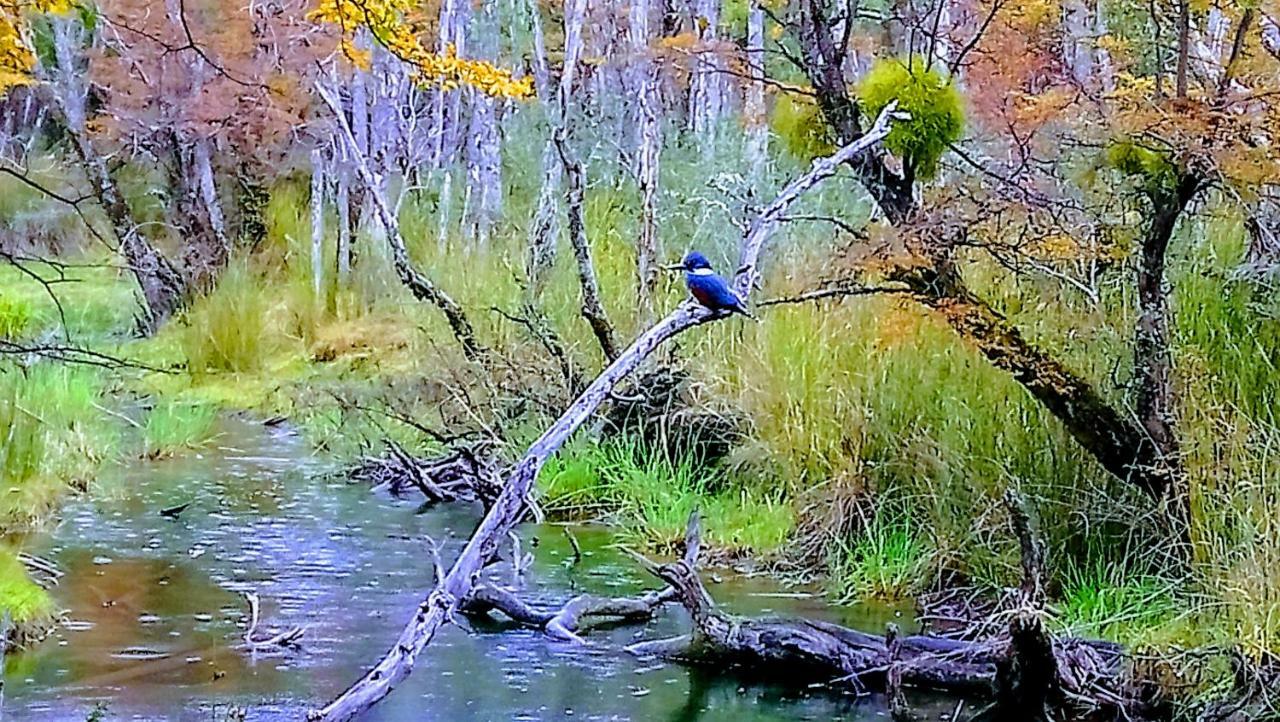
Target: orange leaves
x=388, y=22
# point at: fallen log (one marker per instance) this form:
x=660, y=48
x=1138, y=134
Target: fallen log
x=512, y=503
x=1026, y=673
x=568, y=621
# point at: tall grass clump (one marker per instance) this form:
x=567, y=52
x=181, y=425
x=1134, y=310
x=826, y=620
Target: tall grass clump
x=15, y=316
x=651, y=497
x=229, y=329
x=887, y=560
x=53, y=437
x=172, y=426
x=21, y=599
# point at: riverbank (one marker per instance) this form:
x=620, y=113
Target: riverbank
x=869, y=448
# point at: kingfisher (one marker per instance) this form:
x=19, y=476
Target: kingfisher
x=709, y=288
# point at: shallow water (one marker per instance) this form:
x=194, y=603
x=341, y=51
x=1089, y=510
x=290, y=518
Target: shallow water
x=155, y=612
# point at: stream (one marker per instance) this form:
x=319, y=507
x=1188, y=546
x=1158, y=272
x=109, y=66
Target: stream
x=155, y=611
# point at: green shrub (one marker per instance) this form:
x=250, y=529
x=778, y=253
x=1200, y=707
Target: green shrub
x=937, y=112
x=798, y=121
x=1153, y=170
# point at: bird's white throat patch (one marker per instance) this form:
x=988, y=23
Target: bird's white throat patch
x=702, y=272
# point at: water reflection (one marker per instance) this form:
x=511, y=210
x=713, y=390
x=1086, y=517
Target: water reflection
x=156, y=616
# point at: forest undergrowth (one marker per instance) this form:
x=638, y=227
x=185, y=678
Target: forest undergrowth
x=872, y=445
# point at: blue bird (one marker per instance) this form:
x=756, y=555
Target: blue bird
x=710, y=289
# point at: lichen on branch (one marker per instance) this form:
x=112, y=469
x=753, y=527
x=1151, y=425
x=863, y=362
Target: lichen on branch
x=390, y=24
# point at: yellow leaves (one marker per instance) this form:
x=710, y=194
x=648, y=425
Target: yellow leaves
x=386, y=21
x=17, y=62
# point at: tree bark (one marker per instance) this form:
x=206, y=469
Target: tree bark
x=753, y=111
x=1152, y=359
x=592, y=307
x=543, y=233
x=648, y=157
x=317, y=224
x=163, y=288
x=1184, y=46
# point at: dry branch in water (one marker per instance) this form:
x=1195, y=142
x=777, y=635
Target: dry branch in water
x=510, y=507
x=1022, y=669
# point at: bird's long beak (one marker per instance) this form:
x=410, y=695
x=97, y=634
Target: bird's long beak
x=673, y=267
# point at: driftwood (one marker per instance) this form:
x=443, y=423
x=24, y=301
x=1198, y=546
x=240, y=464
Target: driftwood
x=511, y=505
x=464, y=474
x=568, y=621
x=1028, y=674
x=285, y=638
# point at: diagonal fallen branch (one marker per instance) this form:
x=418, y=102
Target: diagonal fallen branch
x=510, y=507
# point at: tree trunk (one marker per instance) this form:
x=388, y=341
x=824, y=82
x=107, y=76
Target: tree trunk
x=705, y=97
x=1110, y=436
x=1184, y=46
x=317, y=224
x=648, y=155
x=484, y=161
x=543, y=233
x=824, y=61
x=163, y=288
x=342, y=253
x=1152, y=360
x=754, y=111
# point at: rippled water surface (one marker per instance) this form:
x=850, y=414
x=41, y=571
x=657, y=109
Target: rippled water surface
x=156, y=613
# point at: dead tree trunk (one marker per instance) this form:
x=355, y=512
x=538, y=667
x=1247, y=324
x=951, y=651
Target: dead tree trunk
x=543, y=233
x=648, y=154
x=1024, y=671
x=754, y=113
x=511, y=505
x=163, y=288
x=418, y=284
x=592, y=307
x=317, y=224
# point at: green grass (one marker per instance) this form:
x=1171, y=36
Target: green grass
x=22, y=599
x=228, y=330
x=651, y=498
x=15, y=316
x=1109, y=601
x=887, y=560
x=53, y=438
x=172, y=427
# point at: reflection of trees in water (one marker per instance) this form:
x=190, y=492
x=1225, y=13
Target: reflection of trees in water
x=707, y=686
x=131, y=607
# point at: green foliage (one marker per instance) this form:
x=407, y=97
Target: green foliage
x=1153, y=170
x=886, y=560
x=797, y=120
x=172, y=426
x=1106, y=601
x=52, y=436
x=15, y=316
x=652, y=498
x=227, y=331
x=937, y=111
x=20, y=597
